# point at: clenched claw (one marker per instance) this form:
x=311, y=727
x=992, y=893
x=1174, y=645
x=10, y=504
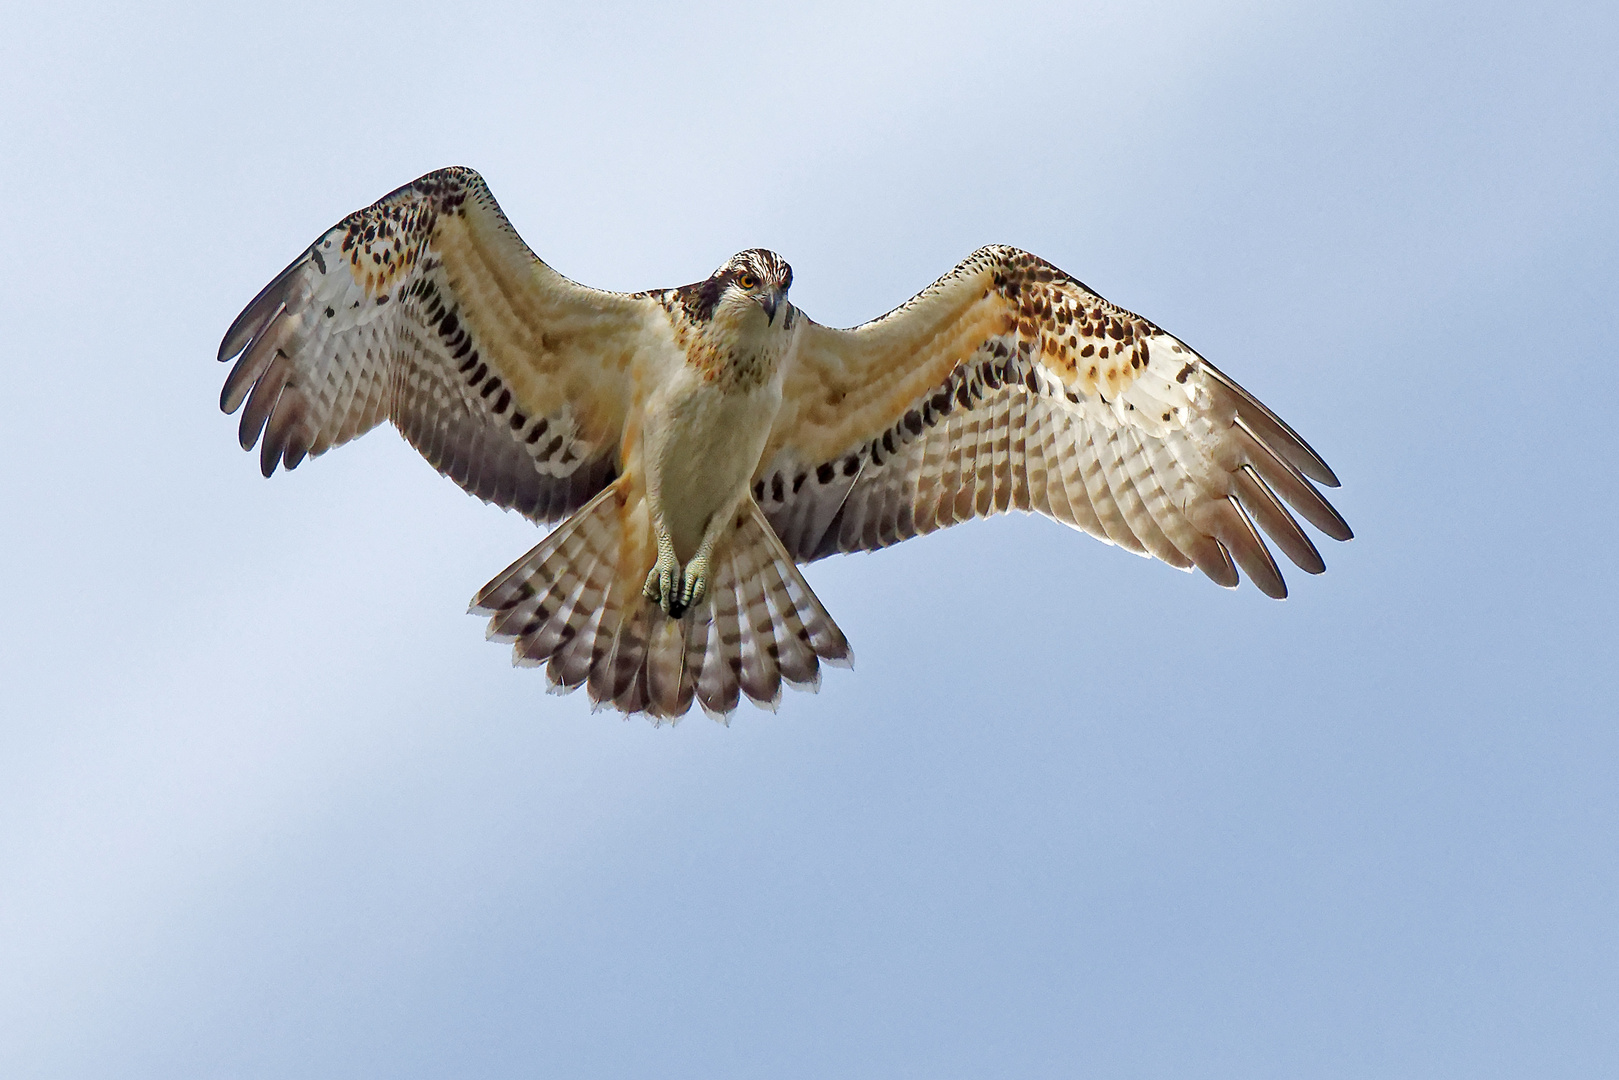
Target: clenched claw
x=696, y=581
x=663, y=584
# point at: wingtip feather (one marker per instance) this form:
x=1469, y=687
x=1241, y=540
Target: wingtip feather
x=1289, y=443
x=259, y=311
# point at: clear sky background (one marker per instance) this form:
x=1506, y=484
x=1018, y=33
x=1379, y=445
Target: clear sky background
x=271, y=807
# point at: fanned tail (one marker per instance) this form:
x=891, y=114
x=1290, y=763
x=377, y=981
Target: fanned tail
x=574, y=604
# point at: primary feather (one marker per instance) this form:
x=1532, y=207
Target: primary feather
x=716, y=433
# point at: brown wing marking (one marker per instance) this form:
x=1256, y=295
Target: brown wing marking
x=427, y=309
x=1010, y=385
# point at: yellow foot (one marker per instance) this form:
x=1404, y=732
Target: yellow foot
x=663, y=584
x=696, y=581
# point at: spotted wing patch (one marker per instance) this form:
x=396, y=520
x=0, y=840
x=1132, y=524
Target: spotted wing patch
x=428, y=310
x=1010, y=386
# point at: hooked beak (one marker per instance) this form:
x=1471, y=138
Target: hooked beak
x=769, y=302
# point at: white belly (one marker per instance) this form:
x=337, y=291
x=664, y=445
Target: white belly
x=702, y=446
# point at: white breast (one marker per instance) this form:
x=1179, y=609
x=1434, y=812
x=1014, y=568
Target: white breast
x=702, y=445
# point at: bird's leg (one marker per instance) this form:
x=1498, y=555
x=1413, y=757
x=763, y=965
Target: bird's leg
x=697, y=571
x=663, y=583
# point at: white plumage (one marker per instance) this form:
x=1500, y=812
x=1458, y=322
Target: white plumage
x=697, y=443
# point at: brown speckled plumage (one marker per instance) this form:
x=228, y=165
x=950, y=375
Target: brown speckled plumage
x=1006, y=385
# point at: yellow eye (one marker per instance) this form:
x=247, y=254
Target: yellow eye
x=747, y=281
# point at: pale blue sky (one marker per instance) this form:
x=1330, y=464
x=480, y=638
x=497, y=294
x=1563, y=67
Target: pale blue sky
x=271, y=807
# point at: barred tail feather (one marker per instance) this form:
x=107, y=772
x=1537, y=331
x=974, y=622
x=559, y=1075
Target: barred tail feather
x=574, y=604
x=719, y=685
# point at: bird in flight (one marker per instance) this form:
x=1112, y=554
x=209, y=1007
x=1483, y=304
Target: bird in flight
x=696, y=444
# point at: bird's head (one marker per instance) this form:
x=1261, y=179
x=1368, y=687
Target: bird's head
x=752, y=281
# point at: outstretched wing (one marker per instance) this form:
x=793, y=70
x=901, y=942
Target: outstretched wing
x=427, y=309
x=1008, y=385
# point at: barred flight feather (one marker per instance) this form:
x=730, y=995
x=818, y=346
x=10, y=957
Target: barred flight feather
x=1006, y=385
x=1044, y=398
x=574, y=605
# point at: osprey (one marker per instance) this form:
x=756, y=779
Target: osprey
x=697, y=443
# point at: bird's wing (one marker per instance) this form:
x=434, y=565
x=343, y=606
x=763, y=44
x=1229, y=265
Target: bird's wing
x=1008, y=385
x=427, y=309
